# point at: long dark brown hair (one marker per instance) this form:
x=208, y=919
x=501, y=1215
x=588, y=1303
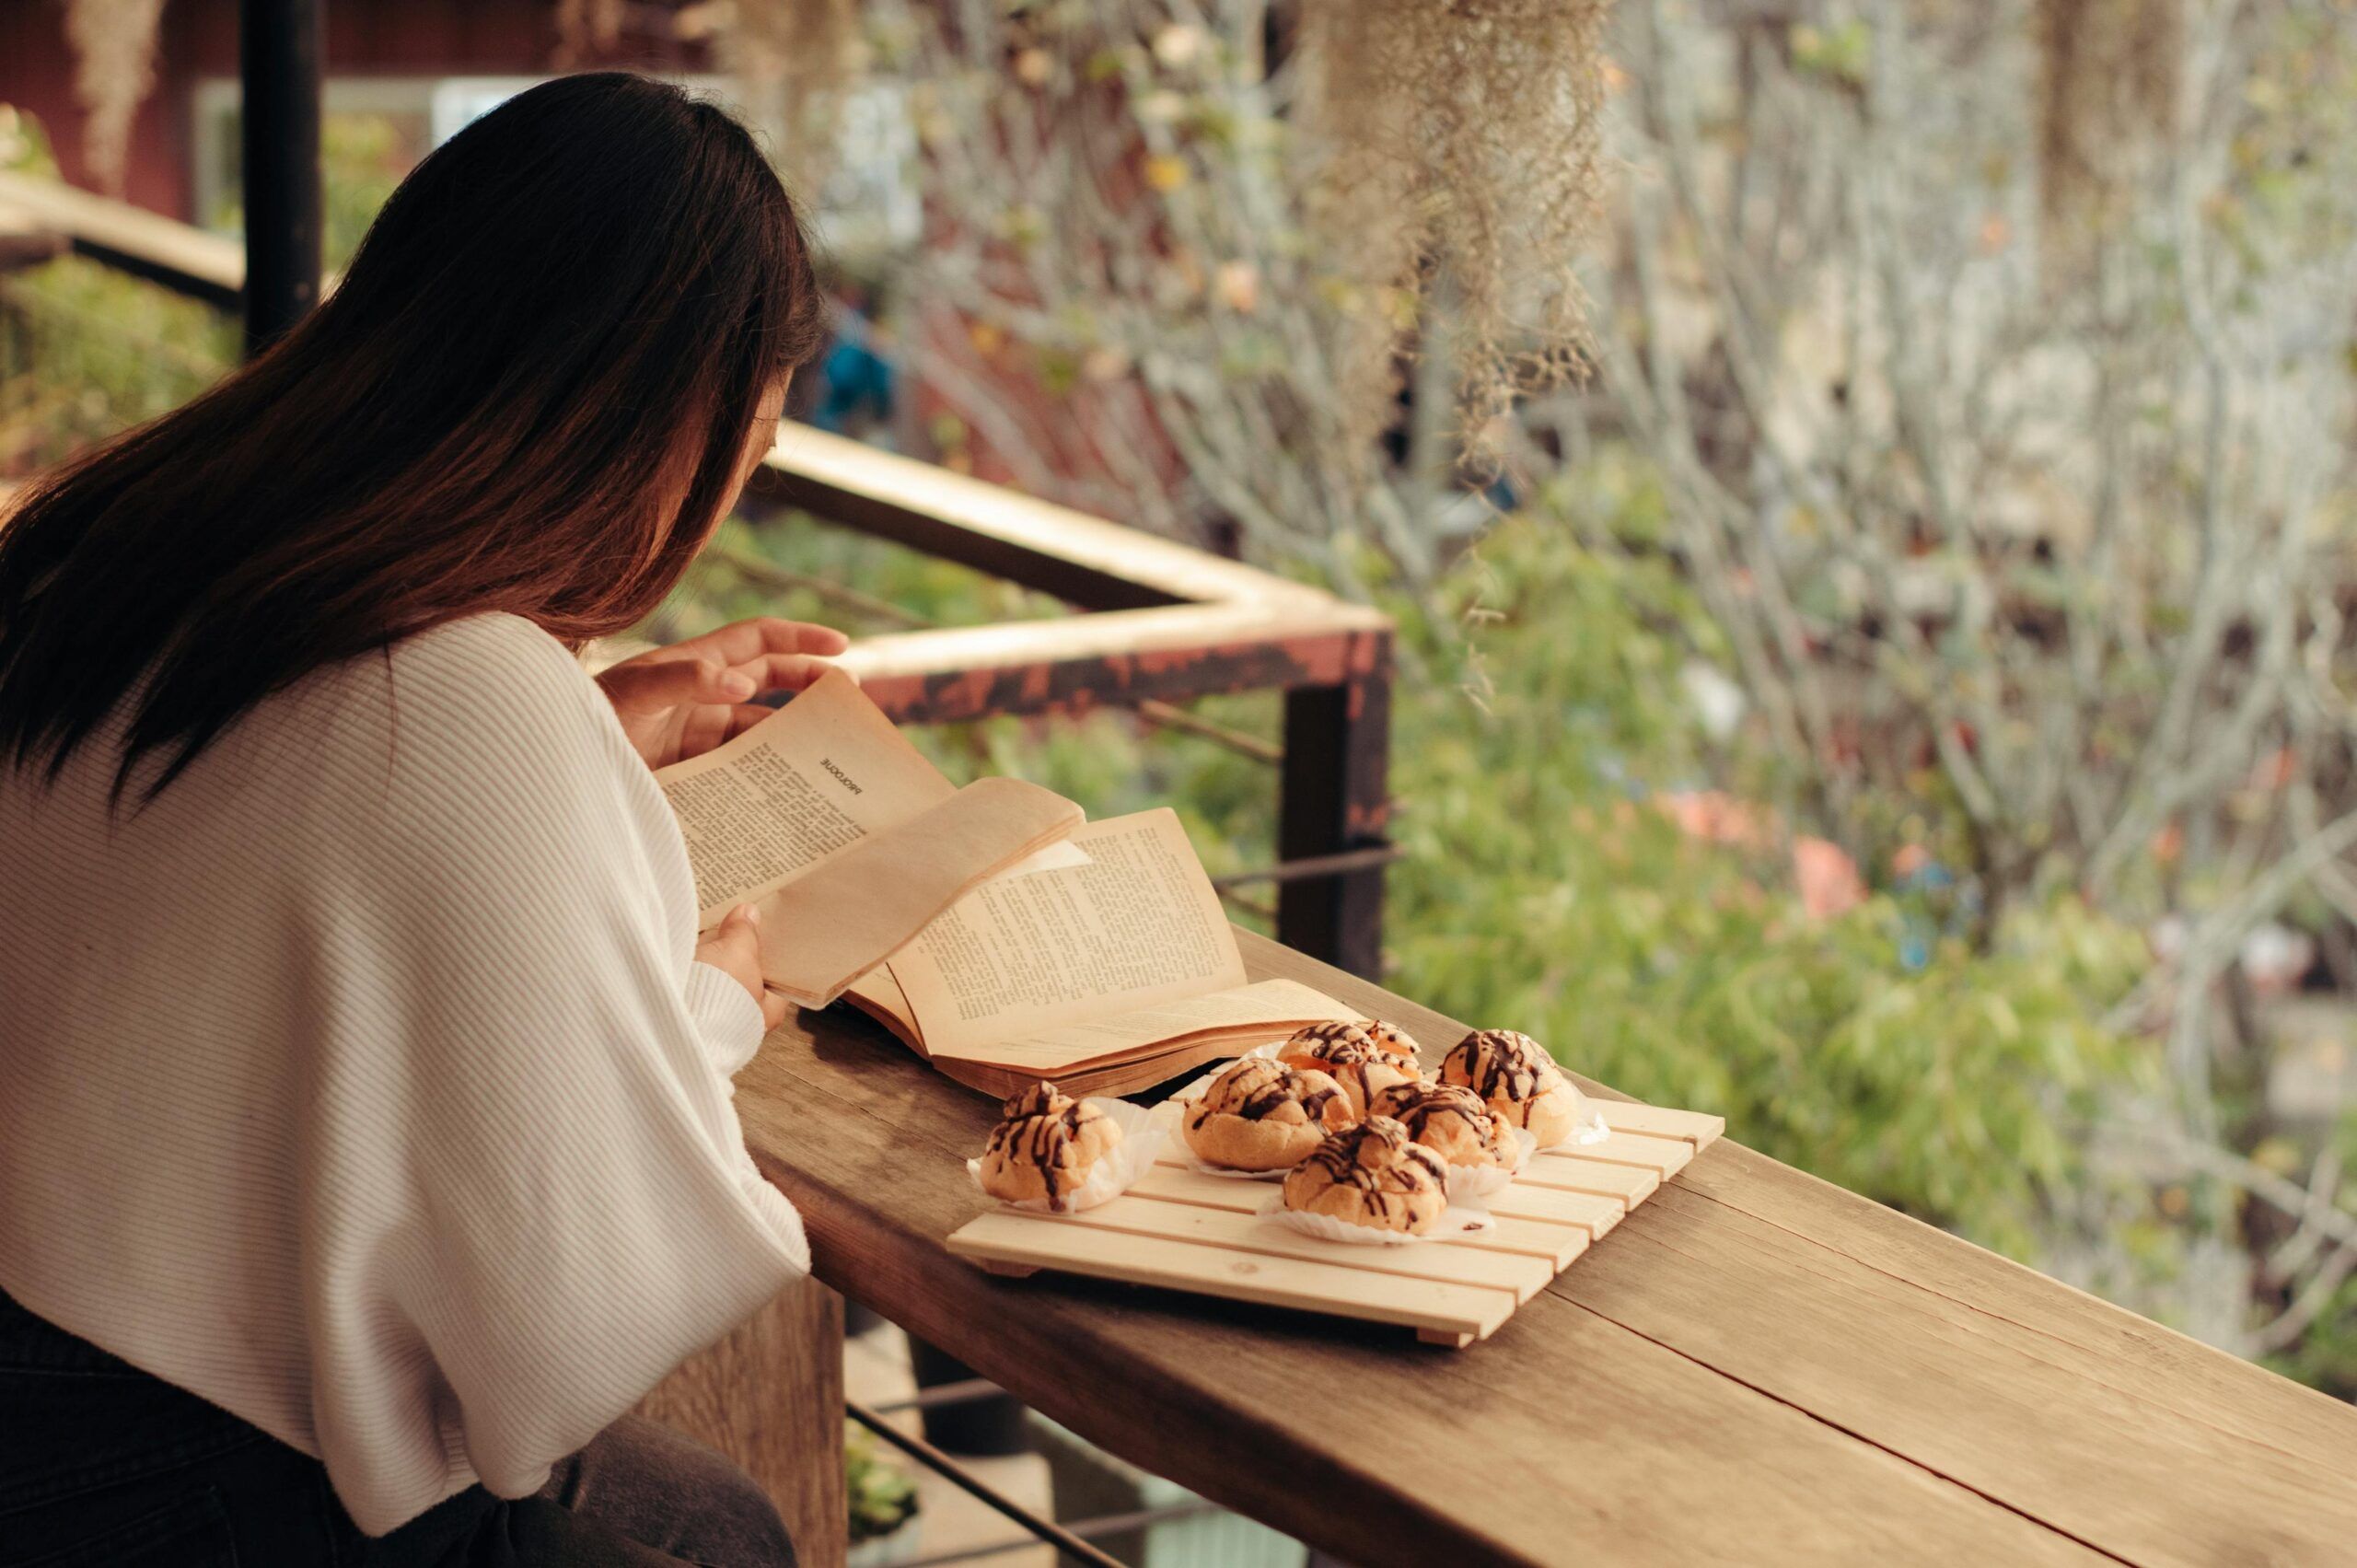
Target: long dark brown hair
x=530, y=393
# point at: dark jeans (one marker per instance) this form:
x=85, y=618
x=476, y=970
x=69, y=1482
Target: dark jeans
x=101, y=1464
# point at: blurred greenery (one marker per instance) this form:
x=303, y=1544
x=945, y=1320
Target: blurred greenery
x=882, y=1495
x=86, y=350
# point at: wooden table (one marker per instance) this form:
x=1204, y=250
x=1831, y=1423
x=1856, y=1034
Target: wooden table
x=1756, y=1367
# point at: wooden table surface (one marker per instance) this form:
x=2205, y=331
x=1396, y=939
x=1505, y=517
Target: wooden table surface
x=1756, y=1367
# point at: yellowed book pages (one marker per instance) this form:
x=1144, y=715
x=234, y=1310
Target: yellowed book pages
x=1273, y=1014
x=1136, y=927
x=1267, y=1010
x=826, y=927
x=795, y=790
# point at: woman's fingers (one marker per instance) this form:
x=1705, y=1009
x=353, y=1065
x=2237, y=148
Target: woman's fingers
x=740, y=642
x=744, y=716
x=735, y=946
x=742, y=928
x=782, y=672
x=676, y=683
x=702, y=728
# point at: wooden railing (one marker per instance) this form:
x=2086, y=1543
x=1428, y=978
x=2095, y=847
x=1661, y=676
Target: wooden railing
x=1167, y=622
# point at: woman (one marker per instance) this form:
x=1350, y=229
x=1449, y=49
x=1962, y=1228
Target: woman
x=367, y=1149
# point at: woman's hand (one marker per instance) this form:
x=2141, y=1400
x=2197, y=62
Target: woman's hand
x=735, y=948
x=682, y=701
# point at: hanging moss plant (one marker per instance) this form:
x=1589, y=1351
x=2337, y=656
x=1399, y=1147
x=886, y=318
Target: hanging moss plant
x=1462, y=141
x=2109, y=78
x=114, y=53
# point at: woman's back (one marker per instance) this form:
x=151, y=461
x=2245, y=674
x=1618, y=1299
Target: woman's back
x=362, y=1081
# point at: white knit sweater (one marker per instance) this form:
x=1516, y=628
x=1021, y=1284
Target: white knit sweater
x=365, y=1084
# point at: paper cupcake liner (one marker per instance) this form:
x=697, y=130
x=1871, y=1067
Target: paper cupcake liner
x=1480, y=1180
x=1114, y=1174
x=1589, y=1128
x=1456, y=1221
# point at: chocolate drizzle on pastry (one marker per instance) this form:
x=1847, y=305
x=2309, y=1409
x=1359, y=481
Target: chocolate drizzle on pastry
x=1381, y=1163
x=1252, y=1089
x=1329, y=1041
x=1042, y=1129
x=1391, y=1040
x=1037, y=1100
x=1417, y=1106
x=1500, y=1065
x=1312, y=1039
x=1335, y=1049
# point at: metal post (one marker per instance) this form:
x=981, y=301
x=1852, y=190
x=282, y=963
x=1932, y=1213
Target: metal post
x=1335, y=798
x=278, y=61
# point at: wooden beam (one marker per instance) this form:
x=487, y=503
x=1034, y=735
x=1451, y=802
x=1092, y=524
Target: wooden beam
x=1086, y=560
x=133, y=240
x=1336, y=798
x=771, y=1397
x=25, y=240
x=1072, y=665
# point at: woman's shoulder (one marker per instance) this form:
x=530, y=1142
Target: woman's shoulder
x=497, y=672
x=492, y=644
x=492, y=782
x=489, y=704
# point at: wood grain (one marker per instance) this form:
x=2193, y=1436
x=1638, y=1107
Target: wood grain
x=771, y=1397
x=1558, y=1242
x=1579, y=1431
x=1243, y=1232
x=1272, y=1278
x=1626, y=1185
x=2108, y=1427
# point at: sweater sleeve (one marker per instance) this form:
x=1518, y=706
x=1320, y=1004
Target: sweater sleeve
x=731, y=1027
x=531, y=1176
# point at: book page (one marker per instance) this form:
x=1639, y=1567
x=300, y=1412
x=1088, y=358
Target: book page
x=840, y=919
x=880, y=994
x=1136, y=927
x=801, y=786
x=1271, y=1007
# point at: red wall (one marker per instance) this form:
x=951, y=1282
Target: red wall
x=200, y=39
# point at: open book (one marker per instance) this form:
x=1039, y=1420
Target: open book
x=1107, y=977
x=846, y=839
x=990, y=928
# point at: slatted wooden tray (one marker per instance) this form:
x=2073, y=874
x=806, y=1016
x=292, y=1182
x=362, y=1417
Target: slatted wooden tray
x=1187, y=1231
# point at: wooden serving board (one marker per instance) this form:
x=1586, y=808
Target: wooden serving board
x=1183, y=1230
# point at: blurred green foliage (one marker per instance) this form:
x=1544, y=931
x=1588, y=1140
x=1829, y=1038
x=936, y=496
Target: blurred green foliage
x=86, y=350
x=882, y=1495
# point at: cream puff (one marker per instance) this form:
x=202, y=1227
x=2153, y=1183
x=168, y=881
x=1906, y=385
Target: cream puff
x=1371, y=1175
x=1451, y=1121
x=1389, y=1038
x=1518, y=1080
x=1393, y=1040
x=1346, y=1054
x=1262, y=1115
x=1045, y=1146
